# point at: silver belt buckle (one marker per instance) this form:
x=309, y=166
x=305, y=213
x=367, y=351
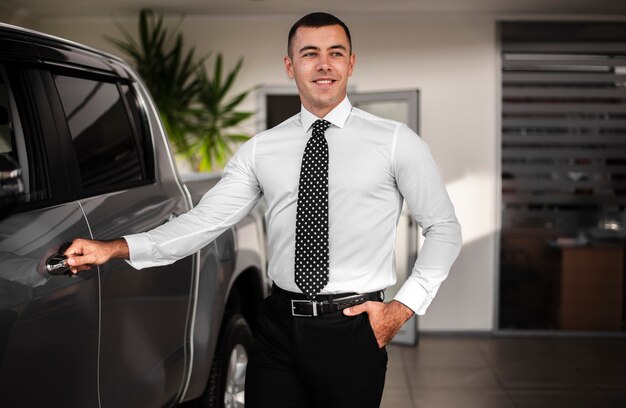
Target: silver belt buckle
x=293, y=308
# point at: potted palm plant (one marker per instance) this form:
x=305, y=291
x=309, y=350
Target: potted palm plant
x=195, y=107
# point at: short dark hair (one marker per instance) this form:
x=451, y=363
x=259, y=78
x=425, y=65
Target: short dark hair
x=318, y=19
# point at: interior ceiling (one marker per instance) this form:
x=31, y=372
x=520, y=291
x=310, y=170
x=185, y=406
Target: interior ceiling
x=41, y=9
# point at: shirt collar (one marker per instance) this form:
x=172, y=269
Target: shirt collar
x=338, y=116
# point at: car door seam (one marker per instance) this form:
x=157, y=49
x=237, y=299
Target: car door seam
x=99, y=309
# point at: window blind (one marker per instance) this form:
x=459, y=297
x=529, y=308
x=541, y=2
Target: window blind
x=563, y=125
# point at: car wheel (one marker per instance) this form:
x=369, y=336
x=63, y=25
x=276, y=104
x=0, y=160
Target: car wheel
x=228, y=372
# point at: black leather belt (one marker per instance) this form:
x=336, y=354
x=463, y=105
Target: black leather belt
x=325, y=304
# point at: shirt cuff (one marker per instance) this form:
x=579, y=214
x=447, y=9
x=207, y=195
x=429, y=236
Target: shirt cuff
x=414, y=296
x=139, y=250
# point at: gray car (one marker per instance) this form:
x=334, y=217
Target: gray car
x=83, y=154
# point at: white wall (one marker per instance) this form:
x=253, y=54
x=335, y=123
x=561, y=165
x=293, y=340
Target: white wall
x=453, y=62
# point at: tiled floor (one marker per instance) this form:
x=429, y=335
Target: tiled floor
x=504, y=372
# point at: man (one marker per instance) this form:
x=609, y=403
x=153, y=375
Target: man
x=334, y=178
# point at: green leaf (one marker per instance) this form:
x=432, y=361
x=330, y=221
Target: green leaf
x=217, y=73
x=235, y=118
x=234, y=102
x=230, y=79
x=238, y=137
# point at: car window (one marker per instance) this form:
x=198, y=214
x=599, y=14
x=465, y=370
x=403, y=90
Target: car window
x=20, y=145
x=141, y=128
x=104, y=141
x=6, y=145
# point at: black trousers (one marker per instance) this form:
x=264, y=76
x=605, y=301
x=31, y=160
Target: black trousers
x=313, y=362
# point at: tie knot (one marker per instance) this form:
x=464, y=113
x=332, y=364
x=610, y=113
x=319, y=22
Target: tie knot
x=320, y=126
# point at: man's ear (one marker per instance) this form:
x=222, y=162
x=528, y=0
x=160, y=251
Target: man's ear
x=289, y=66
x=352, y=62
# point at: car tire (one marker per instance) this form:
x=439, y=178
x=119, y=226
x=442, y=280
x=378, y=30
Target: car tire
x=225, y=388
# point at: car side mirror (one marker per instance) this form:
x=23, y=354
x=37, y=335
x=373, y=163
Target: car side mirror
x=11, y=184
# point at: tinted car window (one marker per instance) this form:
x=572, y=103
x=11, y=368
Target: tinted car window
x=6, y=145
x=140, y=124
x=101, y=131
x=21, y=146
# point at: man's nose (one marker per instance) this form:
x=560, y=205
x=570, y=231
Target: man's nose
x=323, y=63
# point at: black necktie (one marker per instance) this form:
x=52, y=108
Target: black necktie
x=311, y=264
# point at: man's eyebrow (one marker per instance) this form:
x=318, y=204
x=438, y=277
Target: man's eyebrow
x=314, y=48
x=338, y=46
x=309, y=48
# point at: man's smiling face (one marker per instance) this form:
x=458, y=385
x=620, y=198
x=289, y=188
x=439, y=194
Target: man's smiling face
x=321, y=62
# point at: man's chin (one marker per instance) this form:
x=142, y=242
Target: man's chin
x=328, y=101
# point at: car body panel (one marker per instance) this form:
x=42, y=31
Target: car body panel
x=49, y=327
x=247, y=241
x=144, y=312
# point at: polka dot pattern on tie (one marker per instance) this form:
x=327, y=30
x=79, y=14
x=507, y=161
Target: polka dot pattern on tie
x=311, y=261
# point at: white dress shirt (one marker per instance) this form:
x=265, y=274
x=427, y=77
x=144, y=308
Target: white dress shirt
x=373, y=164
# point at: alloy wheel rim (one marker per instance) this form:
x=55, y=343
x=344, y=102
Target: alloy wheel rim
x=236, y=378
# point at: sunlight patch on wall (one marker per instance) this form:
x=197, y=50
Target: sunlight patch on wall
x=473, y=199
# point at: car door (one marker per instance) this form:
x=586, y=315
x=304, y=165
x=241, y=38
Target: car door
x=49, y=325
x=144, y=312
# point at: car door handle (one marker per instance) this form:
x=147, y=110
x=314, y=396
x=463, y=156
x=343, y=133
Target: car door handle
x=57, y=263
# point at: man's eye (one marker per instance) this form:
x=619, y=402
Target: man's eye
x=310, y=54
x=337, y=54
